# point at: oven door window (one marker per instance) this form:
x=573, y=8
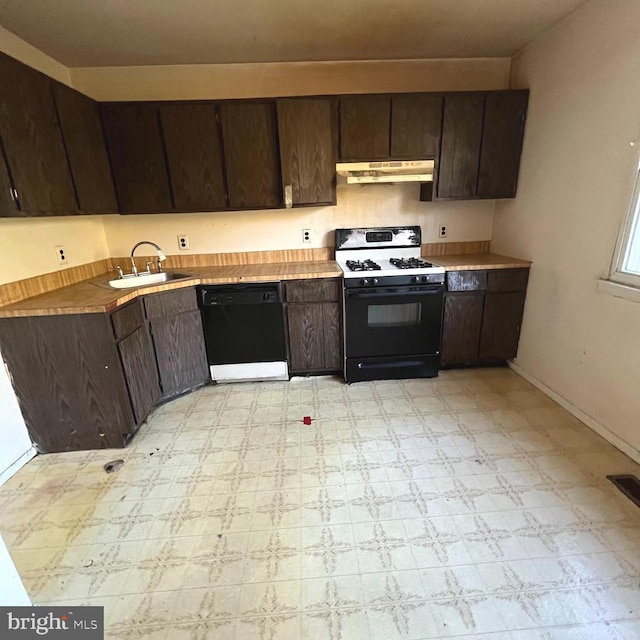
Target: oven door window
x=408, y=314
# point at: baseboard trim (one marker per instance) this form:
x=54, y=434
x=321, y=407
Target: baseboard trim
x=593, y=424
x=20, y=462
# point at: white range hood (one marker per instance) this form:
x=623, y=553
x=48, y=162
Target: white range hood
x=386, y=171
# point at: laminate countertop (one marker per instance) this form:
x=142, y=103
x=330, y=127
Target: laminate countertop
x=478, y=261
x=94, y=296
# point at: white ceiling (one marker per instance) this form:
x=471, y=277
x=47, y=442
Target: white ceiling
x=88, y=33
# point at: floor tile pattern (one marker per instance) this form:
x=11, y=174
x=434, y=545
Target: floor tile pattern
x=466, y=506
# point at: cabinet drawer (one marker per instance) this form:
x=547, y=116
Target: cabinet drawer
x=508, y=280
x=322, y=290
x=171, y=302
x=126, y=320
x=466, y=280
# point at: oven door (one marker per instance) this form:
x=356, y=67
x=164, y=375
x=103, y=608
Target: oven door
x=393, y=321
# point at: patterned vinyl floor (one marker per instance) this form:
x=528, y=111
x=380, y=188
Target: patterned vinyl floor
x=466, y=506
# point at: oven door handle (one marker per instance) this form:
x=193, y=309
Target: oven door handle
x=361, y=295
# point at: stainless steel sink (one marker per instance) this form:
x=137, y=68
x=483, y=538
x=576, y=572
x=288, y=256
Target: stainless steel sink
x=144, y=280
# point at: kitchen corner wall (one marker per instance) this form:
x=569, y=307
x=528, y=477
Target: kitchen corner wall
x=369, y=205
x=27, y=247
x=576, y=181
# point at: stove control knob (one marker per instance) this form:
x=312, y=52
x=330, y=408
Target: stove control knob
x=375, y=281
x=416, y=279
x=365, y=282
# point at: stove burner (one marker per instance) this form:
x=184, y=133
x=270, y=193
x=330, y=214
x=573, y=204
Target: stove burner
x=365, y=265
x=410, y=263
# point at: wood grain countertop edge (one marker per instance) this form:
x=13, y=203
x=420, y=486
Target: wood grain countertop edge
x=45, y=304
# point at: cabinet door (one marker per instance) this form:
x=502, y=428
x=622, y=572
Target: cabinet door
x=460, y=154
x=180, y=352
x=364, y=127
x=314, y=290
x=134, y=143
x=249, y=133
x=194, y=155
x=416, y=122
x=136, y=354
x=503, y=131
x=501, y=326
x=332, y=330
x=8, y=204
x=32, y=141
x=306, y=339
x=80, y=121
x=68, y=378
x=461, y=327
x=307, y=150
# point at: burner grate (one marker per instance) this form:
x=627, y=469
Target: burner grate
x=410, y=263
x=363, y=265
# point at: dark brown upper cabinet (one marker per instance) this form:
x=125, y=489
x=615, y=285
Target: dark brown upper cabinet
x=8, y=202
x=502, y=134
x=194, y=155
x=307, y=151
x=250, y=138
x=79, y=118
x=364, y=127
x=134, y=143
x=460, y=151
x=416, y=123
x=32, y=141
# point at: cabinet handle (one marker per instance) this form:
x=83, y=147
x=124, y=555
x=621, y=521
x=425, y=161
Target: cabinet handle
x=288, y=196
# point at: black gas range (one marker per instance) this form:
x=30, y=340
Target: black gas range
x=393, y=304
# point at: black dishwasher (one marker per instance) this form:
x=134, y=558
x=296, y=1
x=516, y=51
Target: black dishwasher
x=244, y=331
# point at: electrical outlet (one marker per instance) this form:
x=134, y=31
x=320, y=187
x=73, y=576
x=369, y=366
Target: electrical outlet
x=306, y=235
x=183, y=243
x=61, y=255
x=442, y=231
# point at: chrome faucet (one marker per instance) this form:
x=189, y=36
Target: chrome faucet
x=161, y=257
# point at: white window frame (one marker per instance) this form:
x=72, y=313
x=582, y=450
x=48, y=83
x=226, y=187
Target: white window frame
x=629, y=231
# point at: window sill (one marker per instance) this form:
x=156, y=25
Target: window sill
x=619, y=290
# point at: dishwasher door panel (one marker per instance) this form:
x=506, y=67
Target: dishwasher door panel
x=244, y=333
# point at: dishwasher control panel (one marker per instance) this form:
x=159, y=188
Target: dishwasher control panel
x=240, y=294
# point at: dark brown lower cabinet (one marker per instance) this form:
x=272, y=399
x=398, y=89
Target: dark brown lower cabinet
x=69, y=380
x=501, y=322
x=314, y=321
x=461, y=327
x=178, y=340
x=140, y=372
x=482, y=316
x=180, y=352
x=88, y=381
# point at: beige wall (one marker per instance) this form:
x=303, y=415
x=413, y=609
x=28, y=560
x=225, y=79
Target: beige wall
x=282, y=229
x=23, y=51
x=27, y=247
x=575, y=184
x=219, y=81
